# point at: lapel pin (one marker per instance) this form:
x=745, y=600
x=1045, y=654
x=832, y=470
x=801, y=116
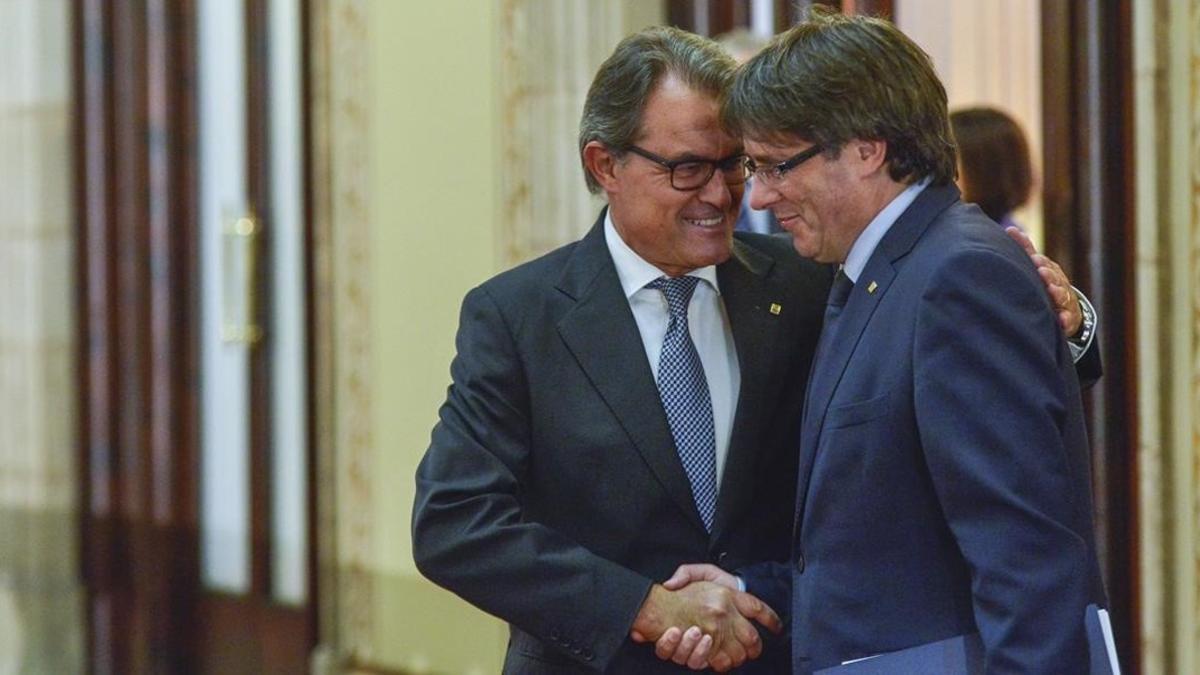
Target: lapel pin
x=872, y=286
x=776, y=308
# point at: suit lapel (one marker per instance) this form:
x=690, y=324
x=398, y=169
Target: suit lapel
x=868, y=292
x=601, y=333
x=746, y=295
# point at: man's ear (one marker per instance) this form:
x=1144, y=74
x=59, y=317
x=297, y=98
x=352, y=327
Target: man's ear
x=601, y=163
x=870, y=155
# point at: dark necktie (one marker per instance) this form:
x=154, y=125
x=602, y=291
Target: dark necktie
x=685, y=398
x=838, y=293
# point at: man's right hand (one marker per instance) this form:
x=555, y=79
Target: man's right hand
x=687, y=574
x=720, y=633
x=691, y=647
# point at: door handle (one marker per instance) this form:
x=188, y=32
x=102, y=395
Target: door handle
x=239, y=262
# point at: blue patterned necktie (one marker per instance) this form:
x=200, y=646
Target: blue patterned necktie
x=684, y=392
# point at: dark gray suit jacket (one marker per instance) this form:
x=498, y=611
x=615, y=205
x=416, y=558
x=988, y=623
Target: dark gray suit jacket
x=551, y=494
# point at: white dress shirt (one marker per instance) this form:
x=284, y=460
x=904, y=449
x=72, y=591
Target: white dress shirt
x=864, y=246
x=707, y=323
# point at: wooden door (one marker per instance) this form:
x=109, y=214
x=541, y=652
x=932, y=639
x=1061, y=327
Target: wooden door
x=193, y=273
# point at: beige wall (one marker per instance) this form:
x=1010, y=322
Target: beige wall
x=433, y=222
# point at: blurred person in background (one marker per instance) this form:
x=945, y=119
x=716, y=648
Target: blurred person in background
x=994, y=169
x=995, y=173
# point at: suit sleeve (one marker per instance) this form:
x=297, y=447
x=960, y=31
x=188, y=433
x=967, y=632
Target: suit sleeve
x=990, y=401
x=1089, y=367
x=770, y=582
x=469, y=533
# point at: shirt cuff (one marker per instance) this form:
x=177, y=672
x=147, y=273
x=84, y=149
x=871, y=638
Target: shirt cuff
x=741, y=584
x=1082, y=341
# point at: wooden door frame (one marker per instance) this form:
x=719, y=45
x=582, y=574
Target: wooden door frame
x=137, y=280
x=1089, y=197
x=135, y=195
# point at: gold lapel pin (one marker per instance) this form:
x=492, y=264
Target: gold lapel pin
x=776, y=308
x=872, y=286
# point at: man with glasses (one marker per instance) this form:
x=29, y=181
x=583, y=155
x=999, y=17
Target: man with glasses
x=613, y=407
x=943, y=516
x=630, y=402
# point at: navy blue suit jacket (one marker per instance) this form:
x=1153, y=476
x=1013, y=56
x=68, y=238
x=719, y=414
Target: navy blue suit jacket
x=943, y=483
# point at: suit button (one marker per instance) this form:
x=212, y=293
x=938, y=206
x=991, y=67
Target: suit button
x=721, y=557
x=799, y=563
x=588, y=655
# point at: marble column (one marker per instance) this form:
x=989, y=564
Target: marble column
x=41, y=617
x=549, y=51
x=1167, y=114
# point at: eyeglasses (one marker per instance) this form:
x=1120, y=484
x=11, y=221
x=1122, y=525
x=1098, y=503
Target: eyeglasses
x=774, y=174
x=693, y=174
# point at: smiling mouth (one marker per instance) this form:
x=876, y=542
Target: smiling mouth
x=705, y=222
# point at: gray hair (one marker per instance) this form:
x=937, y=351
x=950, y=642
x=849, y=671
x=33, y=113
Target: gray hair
x=612, y=112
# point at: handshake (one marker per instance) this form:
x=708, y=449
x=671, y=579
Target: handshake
x=700, y=619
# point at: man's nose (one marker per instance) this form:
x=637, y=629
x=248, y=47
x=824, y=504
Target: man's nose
x=762, y=195
x=716, y=191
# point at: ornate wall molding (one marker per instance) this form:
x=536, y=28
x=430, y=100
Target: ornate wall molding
x=1167, y=66
x=342, y=283
x=548, y=52
x=1194, y=267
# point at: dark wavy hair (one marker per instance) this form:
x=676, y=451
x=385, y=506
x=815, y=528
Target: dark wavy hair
x=994, y=158
x=834, y=78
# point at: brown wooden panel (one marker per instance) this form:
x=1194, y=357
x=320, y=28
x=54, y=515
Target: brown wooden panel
x=722, y=15
x=258, y=170
x=136, y=200
x=310, y=314
x=252, y=637
x=880, y=8
x=1089, y=206
x=136, y=507
x=682, y=13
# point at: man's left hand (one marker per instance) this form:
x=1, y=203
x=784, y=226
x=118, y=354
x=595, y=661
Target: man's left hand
x=1058, y=286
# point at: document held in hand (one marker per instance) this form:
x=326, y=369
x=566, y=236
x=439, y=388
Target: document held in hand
x=963, y=654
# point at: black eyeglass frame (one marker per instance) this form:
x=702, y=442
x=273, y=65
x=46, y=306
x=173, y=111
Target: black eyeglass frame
x=712, y=164
x=778, y=171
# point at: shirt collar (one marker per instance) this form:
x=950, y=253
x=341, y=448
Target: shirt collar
x=864, y=246
x=633, y=270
